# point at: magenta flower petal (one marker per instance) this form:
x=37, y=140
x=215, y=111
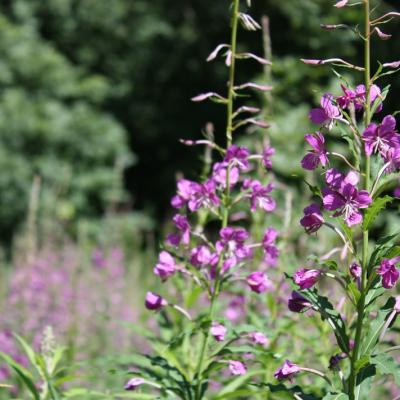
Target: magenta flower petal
x=258, y=282
x=237, y=367
x=134, y=383
x=218, y=331
x=154, y=301
x=306, y=278
x=287, y=370
x=388, y=271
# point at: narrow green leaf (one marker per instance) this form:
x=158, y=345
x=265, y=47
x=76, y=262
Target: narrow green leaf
x=374, y=209
x=23, y=373
x=386, y=365
x=336, y=396
x=361, y=363
x=376, y=326
x=364, y=382
x=235, y=384
x=329, y=314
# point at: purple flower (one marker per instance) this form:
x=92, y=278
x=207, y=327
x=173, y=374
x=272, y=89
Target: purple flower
x=327, y=113
x=134, y=383
x=218, y=331
x=271, y=252
x=237, y=156
x=268, y=152
x=166, y=266
x=237, y=367
x=287, y=370
x=355, y=271
x=381, y=137
x=343, y=196
x=396, y=192
x=298, y=303
x=357, y=97
x=200, y=256
x=154, y=301
x=220, y=173
x=313, y=219
x=203, y=195
x=232, y=242
x=182, y=224
x=306, y=278
x=388, y=271
x=98, y=258
x=335, y=360
x=258, y=282
x=184, y=193
x=318, y=155
x=195, y=195
x=258, y=338
x=392, y=158
x=259, y=195
x=236, y=308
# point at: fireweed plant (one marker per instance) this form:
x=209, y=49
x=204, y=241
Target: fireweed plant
x=348, y=202
x=208, y=263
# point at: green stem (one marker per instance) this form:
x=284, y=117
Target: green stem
x=231, y=83
x=225, y=216
x=364, y=278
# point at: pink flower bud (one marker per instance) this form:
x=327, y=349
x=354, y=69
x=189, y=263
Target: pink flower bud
x=166, y=266
x=218, y=331
x=134, y=383
x=258, y=282
x=287, y=370
x=154, y=301
x=306, y=278
x=258, y=338
x=341, y=3
x=237, y=367
x=394, y=64
x=382, y=35
x=355, y=271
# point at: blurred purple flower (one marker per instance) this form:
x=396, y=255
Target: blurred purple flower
x=232, y=243
x=200, y=256
x=258, y=338
x=313, y=219
x=182, y=224
x=298, y=303
x=166, y=266
x=327, y=113
x=271, y=252
x=388, y=271
x=318, y=155
x=287, y=370
x=237, y=367
x=355, y=270
x=218, y=331
x=154, y=301
x=258, y=282
x=259, y=195
x=238, y=156
x=306, y=278
x=220, y=173
x=268, y=152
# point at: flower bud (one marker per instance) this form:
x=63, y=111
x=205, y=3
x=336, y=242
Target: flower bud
x=154, y=301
